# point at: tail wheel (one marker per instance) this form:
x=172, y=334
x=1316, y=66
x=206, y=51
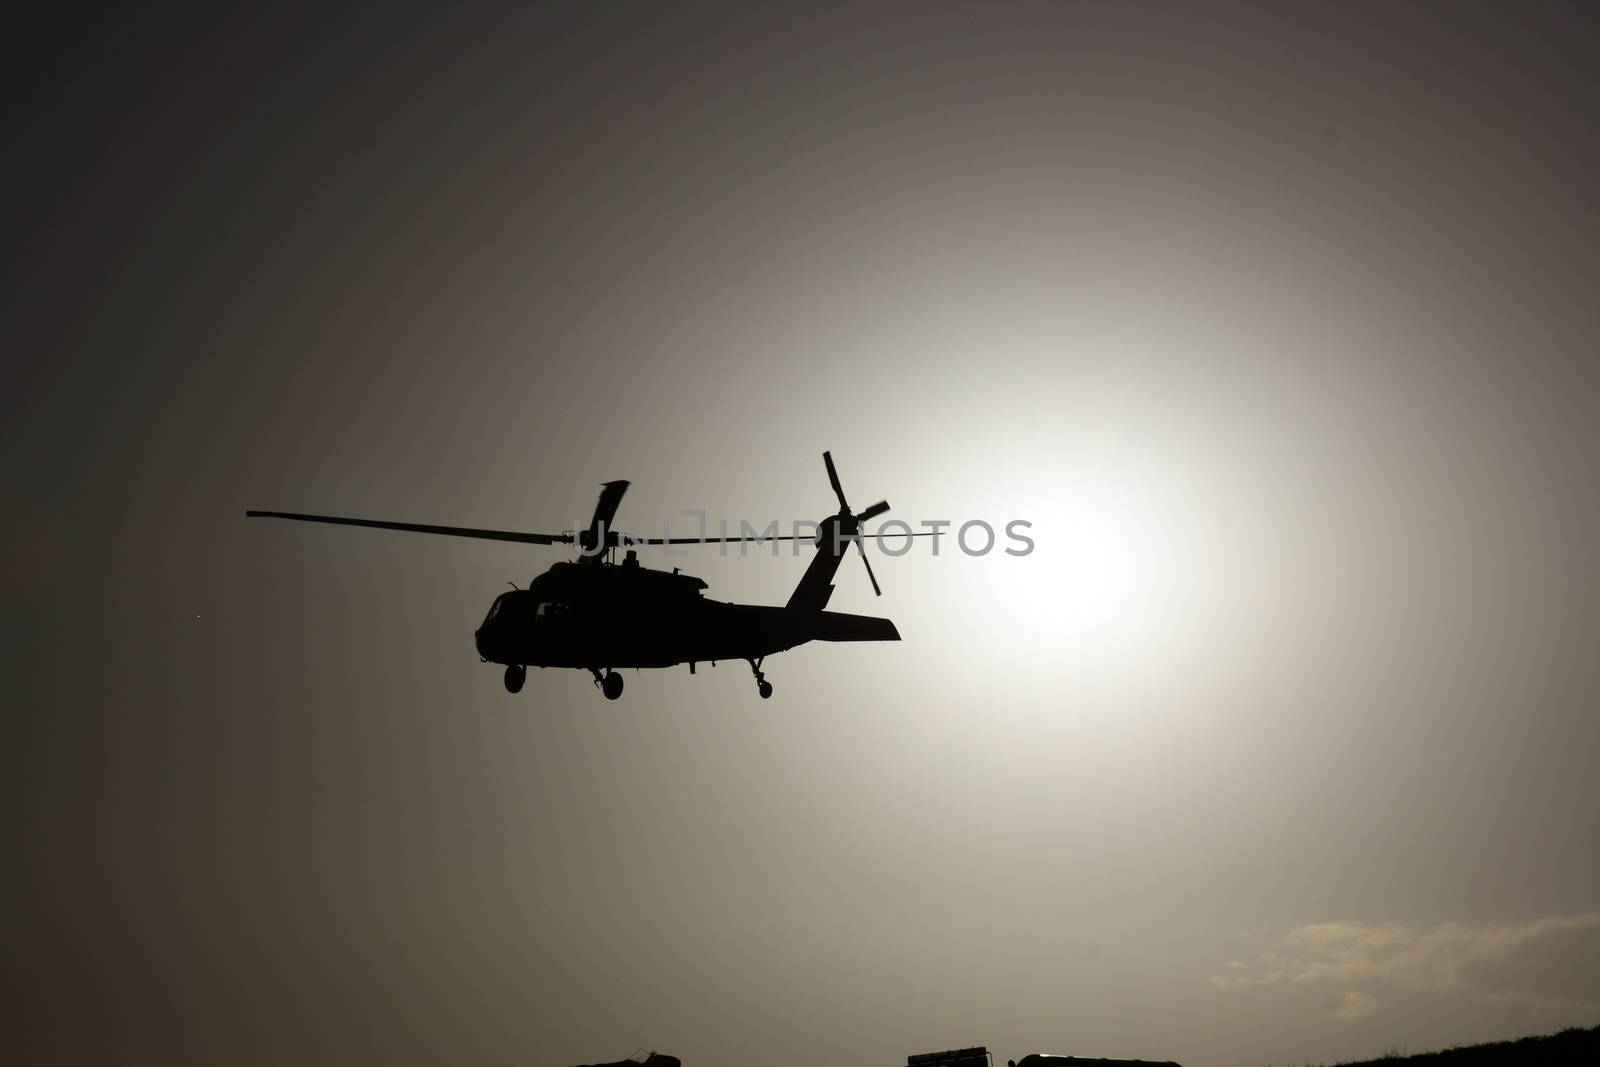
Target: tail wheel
x=612, y=686
x=515, y=676
x=765, y=689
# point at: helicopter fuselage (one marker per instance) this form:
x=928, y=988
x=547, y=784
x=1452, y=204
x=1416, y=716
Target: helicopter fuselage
x=594, y=616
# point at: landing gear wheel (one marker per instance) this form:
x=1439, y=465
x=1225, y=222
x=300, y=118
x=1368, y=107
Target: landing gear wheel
x=515, y=676
x=612, y=686
x=763, y=686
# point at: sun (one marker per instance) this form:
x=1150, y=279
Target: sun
x=1108, y=580
x=1117, y=565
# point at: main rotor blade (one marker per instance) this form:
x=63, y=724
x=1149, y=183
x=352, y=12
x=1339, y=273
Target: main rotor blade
x=833, y=479
x=627, y=540
x=415, y=527
x=873, y=578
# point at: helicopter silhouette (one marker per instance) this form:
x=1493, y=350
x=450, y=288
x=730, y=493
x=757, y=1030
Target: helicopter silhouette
x=598, y=615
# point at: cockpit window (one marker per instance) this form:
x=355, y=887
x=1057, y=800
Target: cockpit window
x=494, y=609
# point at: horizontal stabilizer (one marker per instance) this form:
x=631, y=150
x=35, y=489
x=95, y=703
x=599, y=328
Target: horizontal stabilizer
x=836, y=626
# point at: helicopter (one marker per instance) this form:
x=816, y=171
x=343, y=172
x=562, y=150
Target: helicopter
x=598, y=615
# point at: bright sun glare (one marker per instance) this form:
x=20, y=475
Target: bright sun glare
x=1107, y=580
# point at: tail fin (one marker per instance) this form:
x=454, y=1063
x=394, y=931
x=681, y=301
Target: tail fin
x=816, y=584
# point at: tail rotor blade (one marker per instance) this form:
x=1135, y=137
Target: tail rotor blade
x=870, y=576
x=833, y=479
x=874, y=511
x=605, y=509
x=850, y=525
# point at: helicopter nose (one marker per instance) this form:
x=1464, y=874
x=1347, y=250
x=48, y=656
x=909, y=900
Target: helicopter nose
x=493, y=641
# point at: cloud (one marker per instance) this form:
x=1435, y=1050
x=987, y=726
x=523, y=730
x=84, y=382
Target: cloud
x=1353, y=1004
x=1554, y=961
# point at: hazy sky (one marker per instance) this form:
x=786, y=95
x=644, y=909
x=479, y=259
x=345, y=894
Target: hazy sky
x=1278, y=322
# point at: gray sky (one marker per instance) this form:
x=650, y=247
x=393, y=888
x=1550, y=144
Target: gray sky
x=1277, y=322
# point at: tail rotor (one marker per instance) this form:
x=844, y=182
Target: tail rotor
x=849, y=523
